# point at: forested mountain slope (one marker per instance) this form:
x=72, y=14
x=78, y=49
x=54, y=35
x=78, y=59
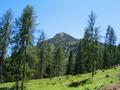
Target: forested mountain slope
x=66, y=41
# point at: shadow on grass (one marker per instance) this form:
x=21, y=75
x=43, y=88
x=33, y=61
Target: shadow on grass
x=78, y=83
x=6, y=88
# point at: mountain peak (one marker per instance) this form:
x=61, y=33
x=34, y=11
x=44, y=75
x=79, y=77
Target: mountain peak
x=61, y=35
x=63, y=39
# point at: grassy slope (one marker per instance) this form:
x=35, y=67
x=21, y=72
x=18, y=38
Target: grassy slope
x=61, y=83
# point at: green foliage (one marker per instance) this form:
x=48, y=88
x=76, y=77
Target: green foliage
x=60, y=55
x=109, y=48
x=79, y=66
x=55, y=83
x=5, y=31
x=88, y=52
x=41, y=52
x=23, y=42
x=70, y=65
x=58, y=61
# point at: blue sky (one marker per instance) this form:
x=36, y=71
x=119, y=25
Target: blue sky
x=69, y=16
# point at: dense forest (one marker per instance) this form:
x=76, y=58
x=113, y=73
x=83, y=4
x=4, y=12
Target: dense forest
x=21, y=58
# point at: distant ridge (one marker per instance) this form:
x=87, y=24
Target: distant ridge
x=65, y=40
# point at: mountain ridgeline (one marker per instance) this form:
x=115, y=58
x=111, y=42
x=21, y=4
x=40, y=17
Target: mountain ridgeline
x=66, y=41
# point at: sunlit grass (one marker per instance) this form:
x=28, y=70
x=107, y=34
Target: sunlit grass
x=63, y=82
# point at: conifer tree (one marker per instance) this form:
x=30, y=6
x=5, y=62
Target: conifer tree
x=5, y=30
x=70, y=65
x=79, y=67
x=49, y=61
x=26, y=24
x=58, y=61
x=91, y=39
x=41, y=54
x=110, y=41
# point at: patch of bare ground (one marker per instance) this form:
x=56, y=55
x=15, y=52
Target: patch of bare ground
x=115, y=86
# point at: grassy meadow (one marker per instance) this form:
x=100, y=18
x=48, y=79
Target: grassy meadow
x=78, y=82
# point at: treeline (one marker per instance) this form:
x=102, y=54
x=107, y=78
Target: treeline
x=92, y=54
x=26, y=61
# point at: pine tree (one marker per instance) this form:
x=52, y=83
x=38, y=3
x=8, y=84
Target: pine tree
x=91, y=37
x=79, y=67
x=110, y=41
x=15, y=61
x=118, y=54
x=49, y=61
x=86, y=51
x=5, y=30
x=41, y=54
x=70, y=65
x=58, y=61
x=26, y=24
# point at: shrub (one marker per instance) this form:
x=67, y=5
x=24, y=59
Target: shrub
x=67, y=77
x=111, y=81
x=53, y=83
x=59, y=79
x=107, y=76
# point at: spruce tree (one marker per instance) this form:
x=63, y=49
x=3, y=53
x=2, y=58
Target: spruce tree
x=5, y=30
x=79, y=67
x=110, y=41
x=41, y=54
x=91, y=39
x=26, y=25
x=16, y=61
x=49, y=61
x=70, y=65
x=58, y=61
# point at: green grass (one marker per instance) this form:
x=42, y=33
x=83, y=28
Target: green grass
x=61, y=83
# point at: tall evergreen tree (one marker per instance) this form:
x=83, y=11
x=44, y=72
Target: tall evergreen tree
x=42, y=54
x=5, y=30
x=86, y=51
x=49, y=61
x=58, y=61
x=26, y=24
x=91, y=37
x=79, y=62
x=110, y=41
x=118, y=54
x=15, y=61
x=70, y=65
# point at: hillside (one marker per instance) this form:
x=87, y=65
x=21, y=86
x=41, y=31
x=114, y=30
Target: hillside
x=59, y=38
x=66, y=41
x=78, y=82
x=30, y=59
